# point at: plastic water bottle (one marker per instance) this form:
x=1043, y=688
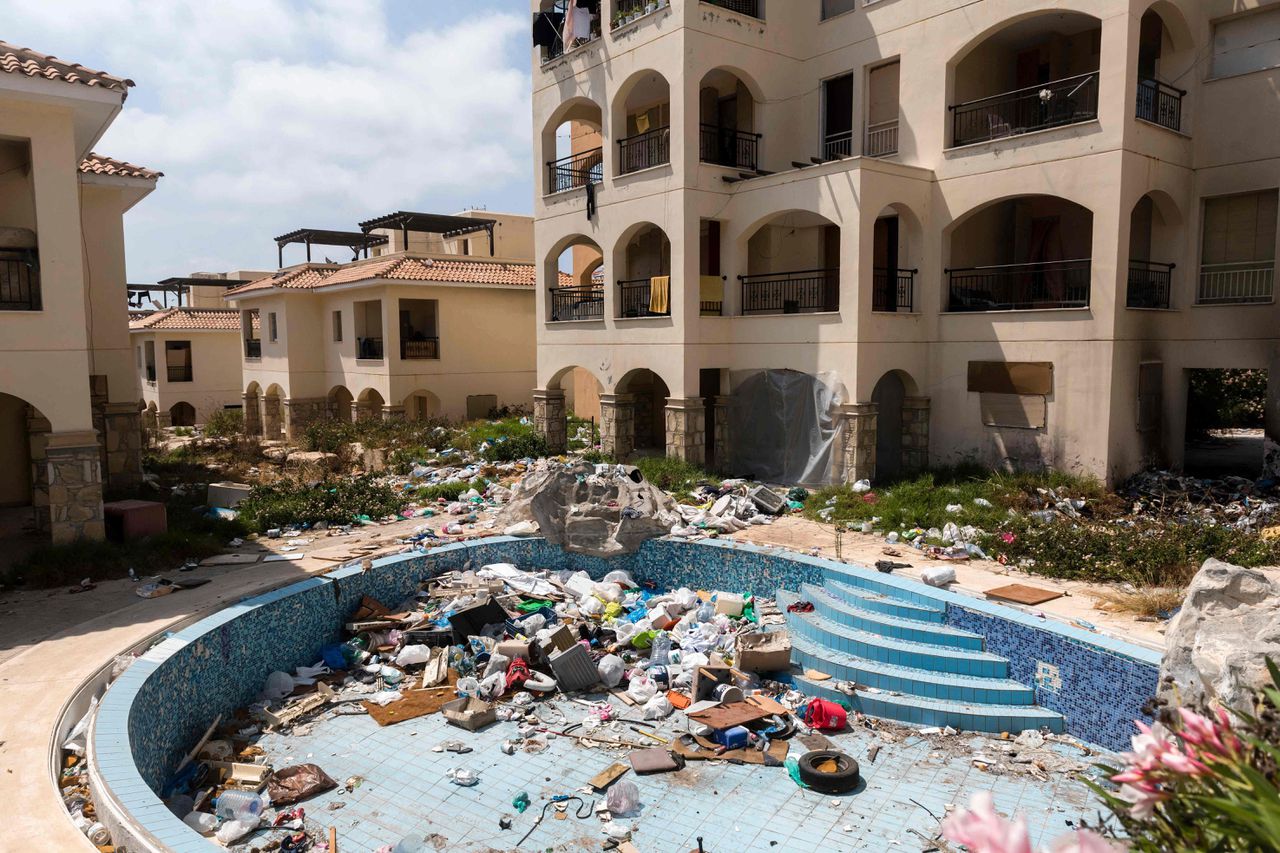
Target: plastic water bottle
x=661, y=652
x=239, y=805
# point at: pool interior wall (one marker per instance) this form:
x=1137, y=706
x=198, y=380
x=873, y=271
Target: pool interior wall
x=164, y=702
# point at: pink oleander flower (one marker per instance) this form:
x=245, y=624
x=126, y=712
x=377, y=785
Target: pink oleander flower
x=1008, y=538
x=982, y=830
x=1142, y=799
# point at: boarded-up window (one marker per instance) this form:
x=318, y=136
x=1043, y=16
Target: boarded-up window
x=1020, y=411
x=1240, y=228
x=1011, y=377
x=1150, y=395
x=1246, y=43
x=481, y=406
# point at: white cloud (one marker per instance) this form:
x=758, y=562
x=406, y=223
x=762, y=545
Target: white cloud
x=267, y=115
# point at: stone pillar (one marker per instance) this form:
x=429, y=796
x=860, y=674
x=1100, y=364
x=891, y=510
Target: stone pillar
x=271, y=418
x=858, y=422
x=252, y=415
x=723, y=436
x=550, y=418
x=124, y=444
x=686, y=426
x=74, y=475
x=1271, y=422
x=150, y=421
x=164, y=419
x=617, y=425
x=915, y=434
x=299, y=413
x=38, y=429
x=393, y=413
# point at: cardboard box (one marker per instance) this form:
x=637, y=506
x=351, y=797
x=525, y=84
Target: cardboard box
x=130, y=520
x=470, y=713
x=766, y=652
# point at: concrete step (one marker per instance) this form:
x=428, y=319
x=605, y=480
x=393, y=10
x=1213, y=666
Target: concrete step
x=881, y=603
x=829, y=605
x=861, y=577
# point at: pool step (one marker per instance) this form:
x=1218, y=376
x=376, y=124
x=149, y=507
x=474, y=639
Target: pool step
x=868, y=580
x=879, y=602
x=851, y=615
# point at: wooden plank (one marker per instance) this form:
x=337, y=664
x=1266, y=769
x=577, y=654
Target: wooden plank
x=730, y=715
x=608, y=776
x=1023, y=594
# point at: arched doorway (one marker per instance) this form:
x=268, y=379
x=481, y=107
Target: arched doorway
x=182, y=414
x=784, y=426
x=648, y=395
x=421, y=405
x=888, y=395
x=369, y=406
x=574, y=146
x=340, y=403
x=642, y=122
x=15, y=453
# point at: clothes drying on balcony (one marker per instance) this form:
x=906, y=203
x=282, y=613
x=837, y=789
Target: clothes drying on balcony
x=660, y=294
x=577, y=25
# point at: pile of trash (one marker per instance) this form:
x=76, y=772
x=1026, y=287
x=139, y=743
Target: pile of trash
x=1249, y=506
x=732, y=506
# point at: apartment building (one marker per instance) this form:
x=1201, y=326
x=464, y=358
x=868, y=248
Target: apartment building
x=188, y=362
x=842, y=239
x=69, y=416
x=436, y=320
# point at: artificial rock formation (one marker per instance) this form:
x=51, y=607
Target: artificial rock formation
x=1218, y=643
x=588, y=513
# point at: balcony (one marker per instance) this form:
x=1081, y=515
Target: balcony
x=577, y=303
x=644, y=150
x=253, y=348
x=1020, y=287
x=1048, y=105
x=893, y=290
x=882, y=139
x=178, y=373
x=1149, y=284
x=575, y=171
x=638, y=298
x=722, y=146
x=369, y=349
x=19, y=281
x=742, y=7
x=420, y=348
x=797, y=292
x=1160, y=103
x=1248, y=282
x=837, y=145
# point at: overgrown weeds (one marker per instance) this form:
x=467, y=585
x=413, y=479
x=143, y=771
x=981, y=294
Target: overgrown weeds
x=675, y=475
x=1154, y=601
x=333, y=501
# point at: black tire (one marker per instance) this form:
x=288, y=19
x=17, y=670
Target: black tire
x=845, y=778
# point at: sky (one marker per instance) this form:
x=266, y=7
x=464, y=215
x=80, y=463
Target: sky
x=271, y=115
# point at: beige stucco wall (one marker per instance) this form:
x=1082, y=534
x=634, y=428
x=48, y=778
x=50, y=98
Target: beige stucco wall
x=215, y=371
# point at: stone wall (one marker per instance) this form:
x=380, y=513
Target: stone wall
x=859, y=427
x=300, y=413
x=617, y=425
x=74, y=476
x=723, y=435
x=686, y=429
x=550, y=418
x=123, y=441
x=252, y=414
x=38, y=429
x=915, y=434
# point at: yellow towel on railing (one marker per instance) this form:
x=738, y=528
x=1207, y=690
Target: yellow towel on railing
x=660, y=294
x=710, y=288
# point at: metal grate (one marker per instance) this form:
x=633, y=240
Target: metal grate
x=575, y=171
x=19, y=281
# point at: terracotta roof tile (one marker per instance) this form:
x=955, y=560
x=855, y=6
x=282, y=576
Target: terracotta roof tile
x=400, y=268
x=189, y=319
x=303, y=277
x=102, y=165
x=30, y=63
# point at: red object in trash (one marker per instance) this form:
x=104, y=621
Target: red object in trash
x=825, y=716
x=517, y=673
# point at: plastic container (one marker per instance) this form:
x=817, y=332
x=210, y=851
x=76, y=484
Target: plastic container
x=661, y=649
x=239, y=805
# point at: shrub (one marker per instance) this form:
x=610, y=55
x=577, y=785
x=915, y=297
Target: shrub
x=227, y=423
x=448, y=491
x=674, y=475
x=335, y=501
x=520, y=446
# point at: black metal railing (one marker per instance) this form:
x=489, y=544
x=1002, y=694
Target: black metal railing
x=798, y=292
x=837, y=145
x=1160, y=103
x=577, y=303
x=1149, y=284
x=575, y=171
x=882, y=138
x=19, y=281
x=1239, y=283
x=369, y=348
x=743, y=7
x=1020, y=287
x=710, y=309
x=420, y=348
x=253, y=348
x=176, y=373
x=644, y=150
x=893, y=290
x=724, y=146
x=635, y=299
x=1061, y=102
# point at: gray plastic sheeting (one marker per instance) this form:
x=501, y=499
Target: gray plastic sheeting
x=783, y=425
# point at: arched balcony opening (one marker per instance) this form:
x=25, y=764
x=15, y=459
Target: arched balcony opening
x=793, y=266
x=574, y=141
x=1037, y=73
x=1166, y=51
x=896, y=238
x=575, y=273
x=644, y=290
x=1025, y=253
x=643, y=122
x=1153, y=232
x=727, y=122
x=340, y=404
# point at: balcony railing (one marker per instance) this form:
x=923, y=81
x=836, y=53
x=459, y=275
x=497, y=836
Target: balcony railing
x=19, y=281
x=422, y=348
x=743, y=7
x=724, y=146
x=1055, y=104
x=369, y=348
x=1020, y=287
x=577, y=303
x=178, y=374
x=575, y=171
x=1238, y=283
x=893, y=290
x=799, y=292
x=1149, y=284
x=837, y=145
x=882, y=138
x=644, y=150
x=635, y=297
x=253, y=348
x=1160, y=103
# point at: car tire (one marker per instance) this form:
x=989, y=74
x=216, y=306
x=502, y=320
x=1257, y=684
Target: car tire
x=844, y=778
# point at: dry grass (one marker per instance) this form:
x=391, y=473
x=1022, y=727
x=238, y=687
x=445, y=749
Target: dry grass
x=1157, y=601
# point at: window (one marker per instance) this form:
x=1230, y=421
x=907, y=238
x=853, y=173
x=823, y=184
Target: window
x=882, y=111
x=273, y=329
x=337, y=327
x=1012, y=393
x=1238, y=254
x=419, y=328
x=368, y=319
x=150, y=349
x=1246, y=43
x=177, y=360
x=831, y=8
x=837, y=117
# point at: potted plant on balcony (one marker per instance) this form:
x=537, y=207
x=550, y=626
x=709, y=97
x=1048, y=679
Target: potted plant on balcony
x=650, y=7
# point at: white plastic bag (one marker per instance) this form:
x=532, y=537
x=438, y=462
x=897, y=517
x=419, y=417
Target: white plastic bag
x=620, y=576
x=938, y=575
x=202, y=822
x=521, y=528
x=233, y=830
x=493, y=687
x=411, y=655
x=278, y=686
x=610, y=668
x=623, y=798
x=657, y=708
x=642, y=688
x=862, y=486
